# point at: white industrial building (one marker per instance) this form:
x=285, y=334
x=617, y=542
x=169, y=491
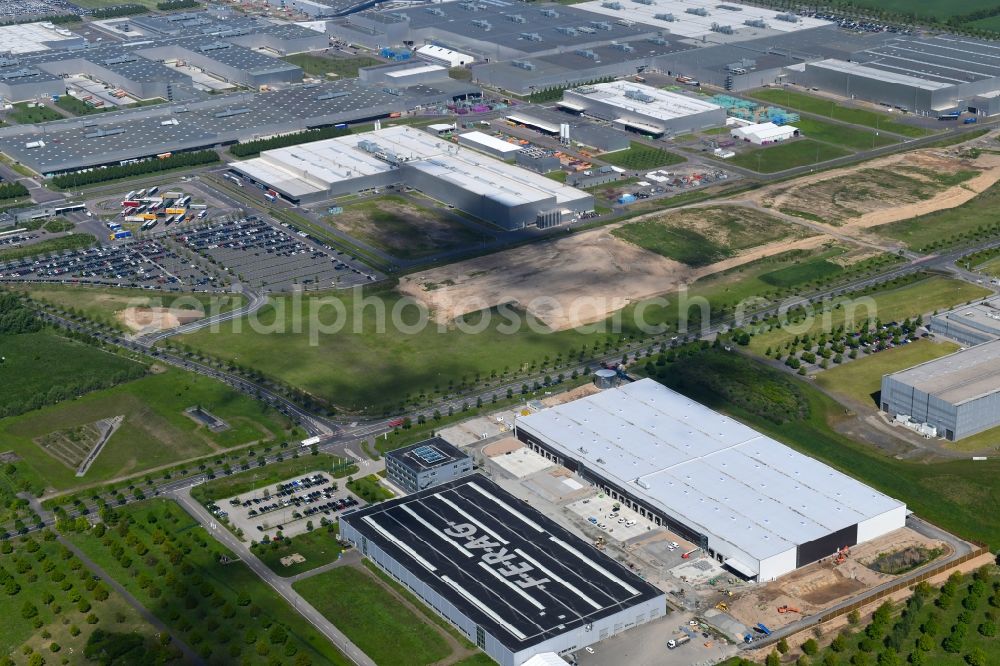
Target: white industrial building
x=642, y=108
x=445, y=56
x=489, y=144
x=754, y=504
x=505, y=194
x=762, y=134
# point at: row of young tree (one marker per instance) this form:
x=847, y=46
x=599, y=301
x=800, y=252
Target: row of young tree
x=248, y=148
x=118, y=10
x=12, y=191
x=180, y=160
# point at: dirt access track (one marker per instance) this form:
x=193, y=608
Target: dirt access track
x=150, y=320
x=906, y=185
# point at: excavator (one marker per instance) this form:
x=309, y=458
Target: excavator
x=788, y=609
x=842, y=555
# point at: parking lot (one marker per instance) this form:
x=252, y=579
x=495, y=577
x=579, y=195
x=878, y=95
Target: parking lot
x=621, y=523
x=287, y=507
x=266, y=255
x=144, y=263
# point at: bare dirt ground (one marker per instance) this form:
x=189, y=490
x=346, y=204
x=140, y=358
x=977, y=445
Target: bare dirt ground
x=570, y=282
x=888, y=189
x=822, y=584
x=146, y=320
x=571, y=395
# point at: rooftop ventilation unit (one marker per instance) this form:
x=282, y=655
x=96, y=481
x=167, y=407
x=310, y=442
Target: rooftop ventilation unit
x=22, y=73
x=586, y=53
x=214, y=46
x=722, y=29
x=6, y=61
x=669, y=18
x=523, y=64
x=601, y=25
x=625, y=48
x=332, y=95
x=482, y=25
x=659, y=41
x=755, y=23
x=104, y=132
x=172, y=121
x=586, y=90
x=568, y=30
x=436, y=11
x=516, y=18
x=643, y=2
x=788, y=18
x=392, y=91
x=530, y=36
x=228, y=113
x=120, y=60
x=697, y=11
x=639, y=96
x=612, y=5
x=550, y=13
x=729, y=8
x=586, y=29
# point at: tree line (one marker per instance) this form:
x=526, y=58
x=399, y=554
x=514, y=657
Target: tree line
x=170, y=5
x=180, y=160
x=12, y=190
x=119, y=10
x=15, y=316
x=248, y=148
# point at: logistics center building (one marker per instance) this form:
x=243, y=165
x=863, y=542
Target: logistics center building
x=642, y=108
x=505, y=194
x=751, y=502
x=958, y=394
x=510, y=579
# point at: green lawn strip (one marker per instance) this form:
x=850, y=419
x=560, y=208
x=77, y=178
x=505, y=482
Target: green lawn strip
x=640, y=156
x=48, y=246
x=843, y=135
x=223, y=610
x=369, y=489
x=787, y=155
x=317, y=65
x=26, y=115
x=428, y=613
x=368, y=614
x=791, y=276
x=38, y=569
x=275, y=472
x=154, y=415
x=825, y=107
x=861, y=379
x=978, y=217
x=318, y=547
x=78, y=107
x=889, y=304
x=950, y=494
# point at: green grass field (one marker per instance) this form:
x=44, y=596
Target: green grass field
x=25, y=115
x=318, y=65
x=36, y=362
x=103, y=305
x=47, y=574
x=48, y=246
x=950, y=494
x=78, y=107
x=811, y=271
x=861, y=380
x=368, y=613
x=385, y=363
x=224, y=611
x=404, y=229
x=639, y=156
x=319, y=547
x=156, y=431
x=933, y=293
x=820, y=106
x=787, y=155
x=701, y=236
x=949, y=226
x=844, y=136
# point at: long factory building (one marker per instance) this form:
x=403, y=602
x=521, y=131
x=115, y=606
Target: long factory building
x=957, y=395
x=510, y=579
x=640, y=108
x=109, y=138
x=507, y=195
x=756, y=505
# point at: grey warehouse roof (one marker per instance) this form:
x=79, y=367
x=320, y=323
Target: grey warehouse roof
x=706, y=469
x=957, y=378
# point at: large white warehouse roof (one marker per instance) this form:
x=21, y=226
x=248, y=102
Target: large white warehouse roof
x=646, y=100
x=712, y=473
x=314, y=167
